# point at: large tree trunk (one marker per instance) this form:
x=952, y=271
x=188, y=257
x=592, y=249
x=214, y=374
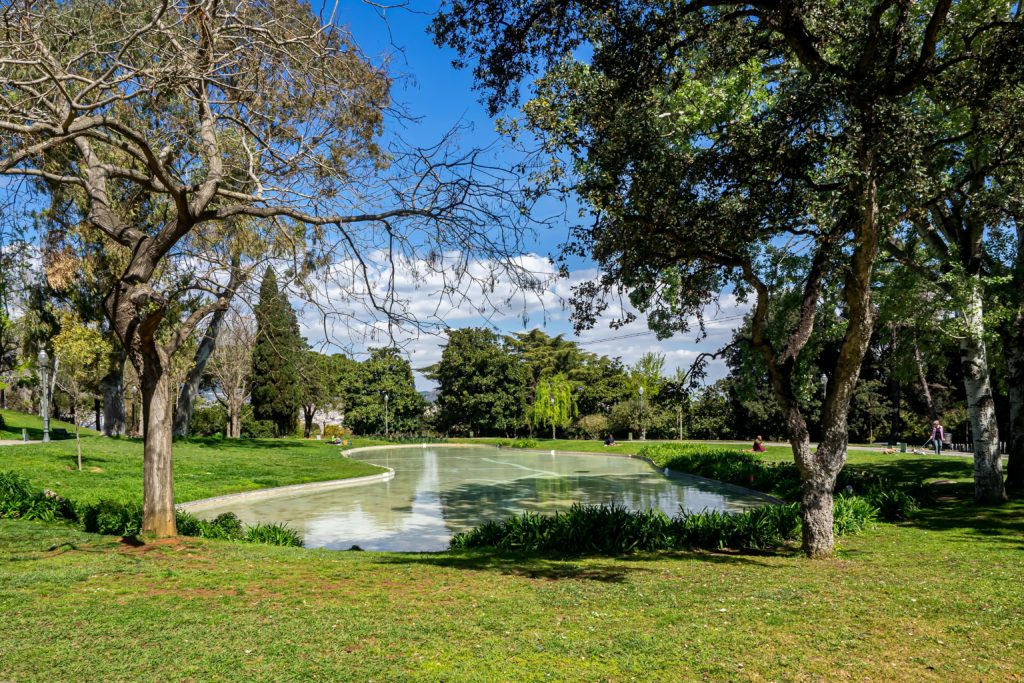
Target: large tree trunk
x=1015, y=366
x=158, y=465
x=308, y=412
x=932, y=414
x=819, y=480
x=190, y=388
x=112, y=386
x=235, y=419
x=988, y=472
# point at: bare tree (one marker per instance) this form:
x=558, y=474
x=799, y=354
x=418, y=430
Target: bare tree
x=175, y=124
x=231, y=365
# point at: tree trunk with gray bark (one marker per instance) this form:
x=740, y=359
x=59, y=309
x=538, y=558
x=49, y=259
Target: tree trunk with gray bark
x=1015, y=445
x=190, y=388
x=158, y=518
x=112, y=386
x=981, y=406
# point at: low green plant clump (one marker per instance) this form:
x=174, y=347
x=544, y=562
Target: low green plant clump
x=19, y=500
x=412, y=439
x=893, y=503
x=121, y=518
x=517, y=443
x=273, y=534
x=615, y=530
x=731, y=466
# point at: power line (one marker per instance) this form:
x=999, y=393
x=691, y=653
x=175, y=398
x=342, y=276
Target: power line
x=633, y=335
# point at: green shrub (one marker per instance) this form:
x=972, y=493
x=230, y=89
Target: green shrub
x=731, y=466
x=258, y=429
x=615, y=530
x=208, y=420
x=226, y=526
x=273, y=534
x=593, y=426
x=517, y=443
x=112, y=517
x=852, y=515
x=19, y=500
x=188, y=524
x=332, y=430
x=894, y=505
x=783, y=479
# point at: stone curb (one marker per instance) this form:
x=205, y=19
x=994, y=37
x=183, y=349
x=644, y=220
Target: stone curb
x=257, y=494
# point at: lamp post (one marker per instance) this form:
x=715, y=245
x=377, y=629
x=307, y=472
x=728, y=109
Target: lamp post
x=44, y=364
x=824, y=385
x=386, y=432
x=643, y=432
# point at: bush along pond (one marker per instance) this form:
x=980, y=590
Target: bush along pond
x=18, y=499
x=862, y=500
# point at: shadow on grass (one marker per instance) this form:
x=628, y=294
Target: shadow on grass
x=913, y=470
x=957, y=515
x=539, y=566
x=244, y=444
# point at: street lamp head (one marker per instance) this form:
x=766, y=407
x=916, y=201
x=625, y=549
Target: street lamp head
x=641, y=390
x=43, y=357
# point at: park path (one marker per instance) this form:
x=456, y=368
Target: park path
x=15, y=442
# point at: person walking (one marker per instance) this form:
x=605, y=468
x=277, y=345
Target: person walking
x=938, y=436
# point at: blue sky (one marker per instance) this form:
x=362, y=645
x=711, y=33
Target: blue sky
x=440, y=97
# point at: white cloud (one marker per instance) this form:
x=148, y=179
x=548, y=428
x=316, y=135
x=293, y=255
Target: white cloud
x=338, y=319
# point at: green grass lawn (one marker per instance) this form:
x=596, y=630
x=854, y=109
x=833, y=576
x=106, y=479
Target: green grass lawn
x=938, y=599
x=112, y=468
x=33, y=425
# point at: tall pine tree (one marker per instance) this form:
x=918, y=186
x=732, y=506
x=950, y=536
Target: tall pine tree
x=276, y=388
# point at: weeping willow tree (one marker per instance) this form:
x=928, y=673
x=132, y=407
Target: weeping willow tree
x=555, y=405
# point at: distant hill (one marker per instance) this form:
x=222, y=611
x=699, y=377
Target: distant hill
x=430, y=395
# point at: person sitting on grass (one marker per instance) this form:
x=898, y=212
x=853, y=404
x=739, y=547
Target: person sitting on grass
x=610, y=441
x=759, y=445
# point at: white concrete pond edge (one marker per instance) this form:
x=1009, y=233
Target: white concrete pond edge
x=257, y=494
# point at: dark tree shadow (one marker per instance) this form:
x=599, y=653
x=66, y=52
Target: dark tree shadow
x=960, y=517
x=552, y=568
x=913, y=470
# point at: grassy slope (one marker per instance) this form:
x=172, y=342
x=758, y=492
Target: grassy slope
x=112, y=468
x=939, y=601
x=14, y=422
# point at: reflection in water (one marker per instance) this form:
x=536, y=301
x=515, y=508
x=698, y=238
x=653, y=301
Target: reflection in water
x=437, y=491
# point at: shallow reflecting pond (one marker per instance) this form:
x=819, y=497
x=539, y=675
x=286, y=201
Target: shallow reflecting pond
x=439, y=490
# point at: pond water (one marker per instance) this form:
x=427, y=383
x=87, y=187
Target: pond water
x=438, y=491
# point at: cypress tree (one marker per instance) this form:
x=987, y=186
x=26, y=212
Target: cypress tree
x=275, y=359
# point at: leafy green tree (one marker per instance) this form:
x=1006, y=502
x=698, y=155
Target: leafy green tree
x=601, y=382
x=258, y=111
x=385, y=374
x=554, y=404
x=276, y=357
x=325, y=385
x=81, y=354
x=480, y=384
x=703, y=135
x=646, y=381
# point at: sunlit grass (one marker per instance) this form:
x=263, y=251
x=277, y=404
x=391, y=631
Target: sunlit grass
x=112, y=468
